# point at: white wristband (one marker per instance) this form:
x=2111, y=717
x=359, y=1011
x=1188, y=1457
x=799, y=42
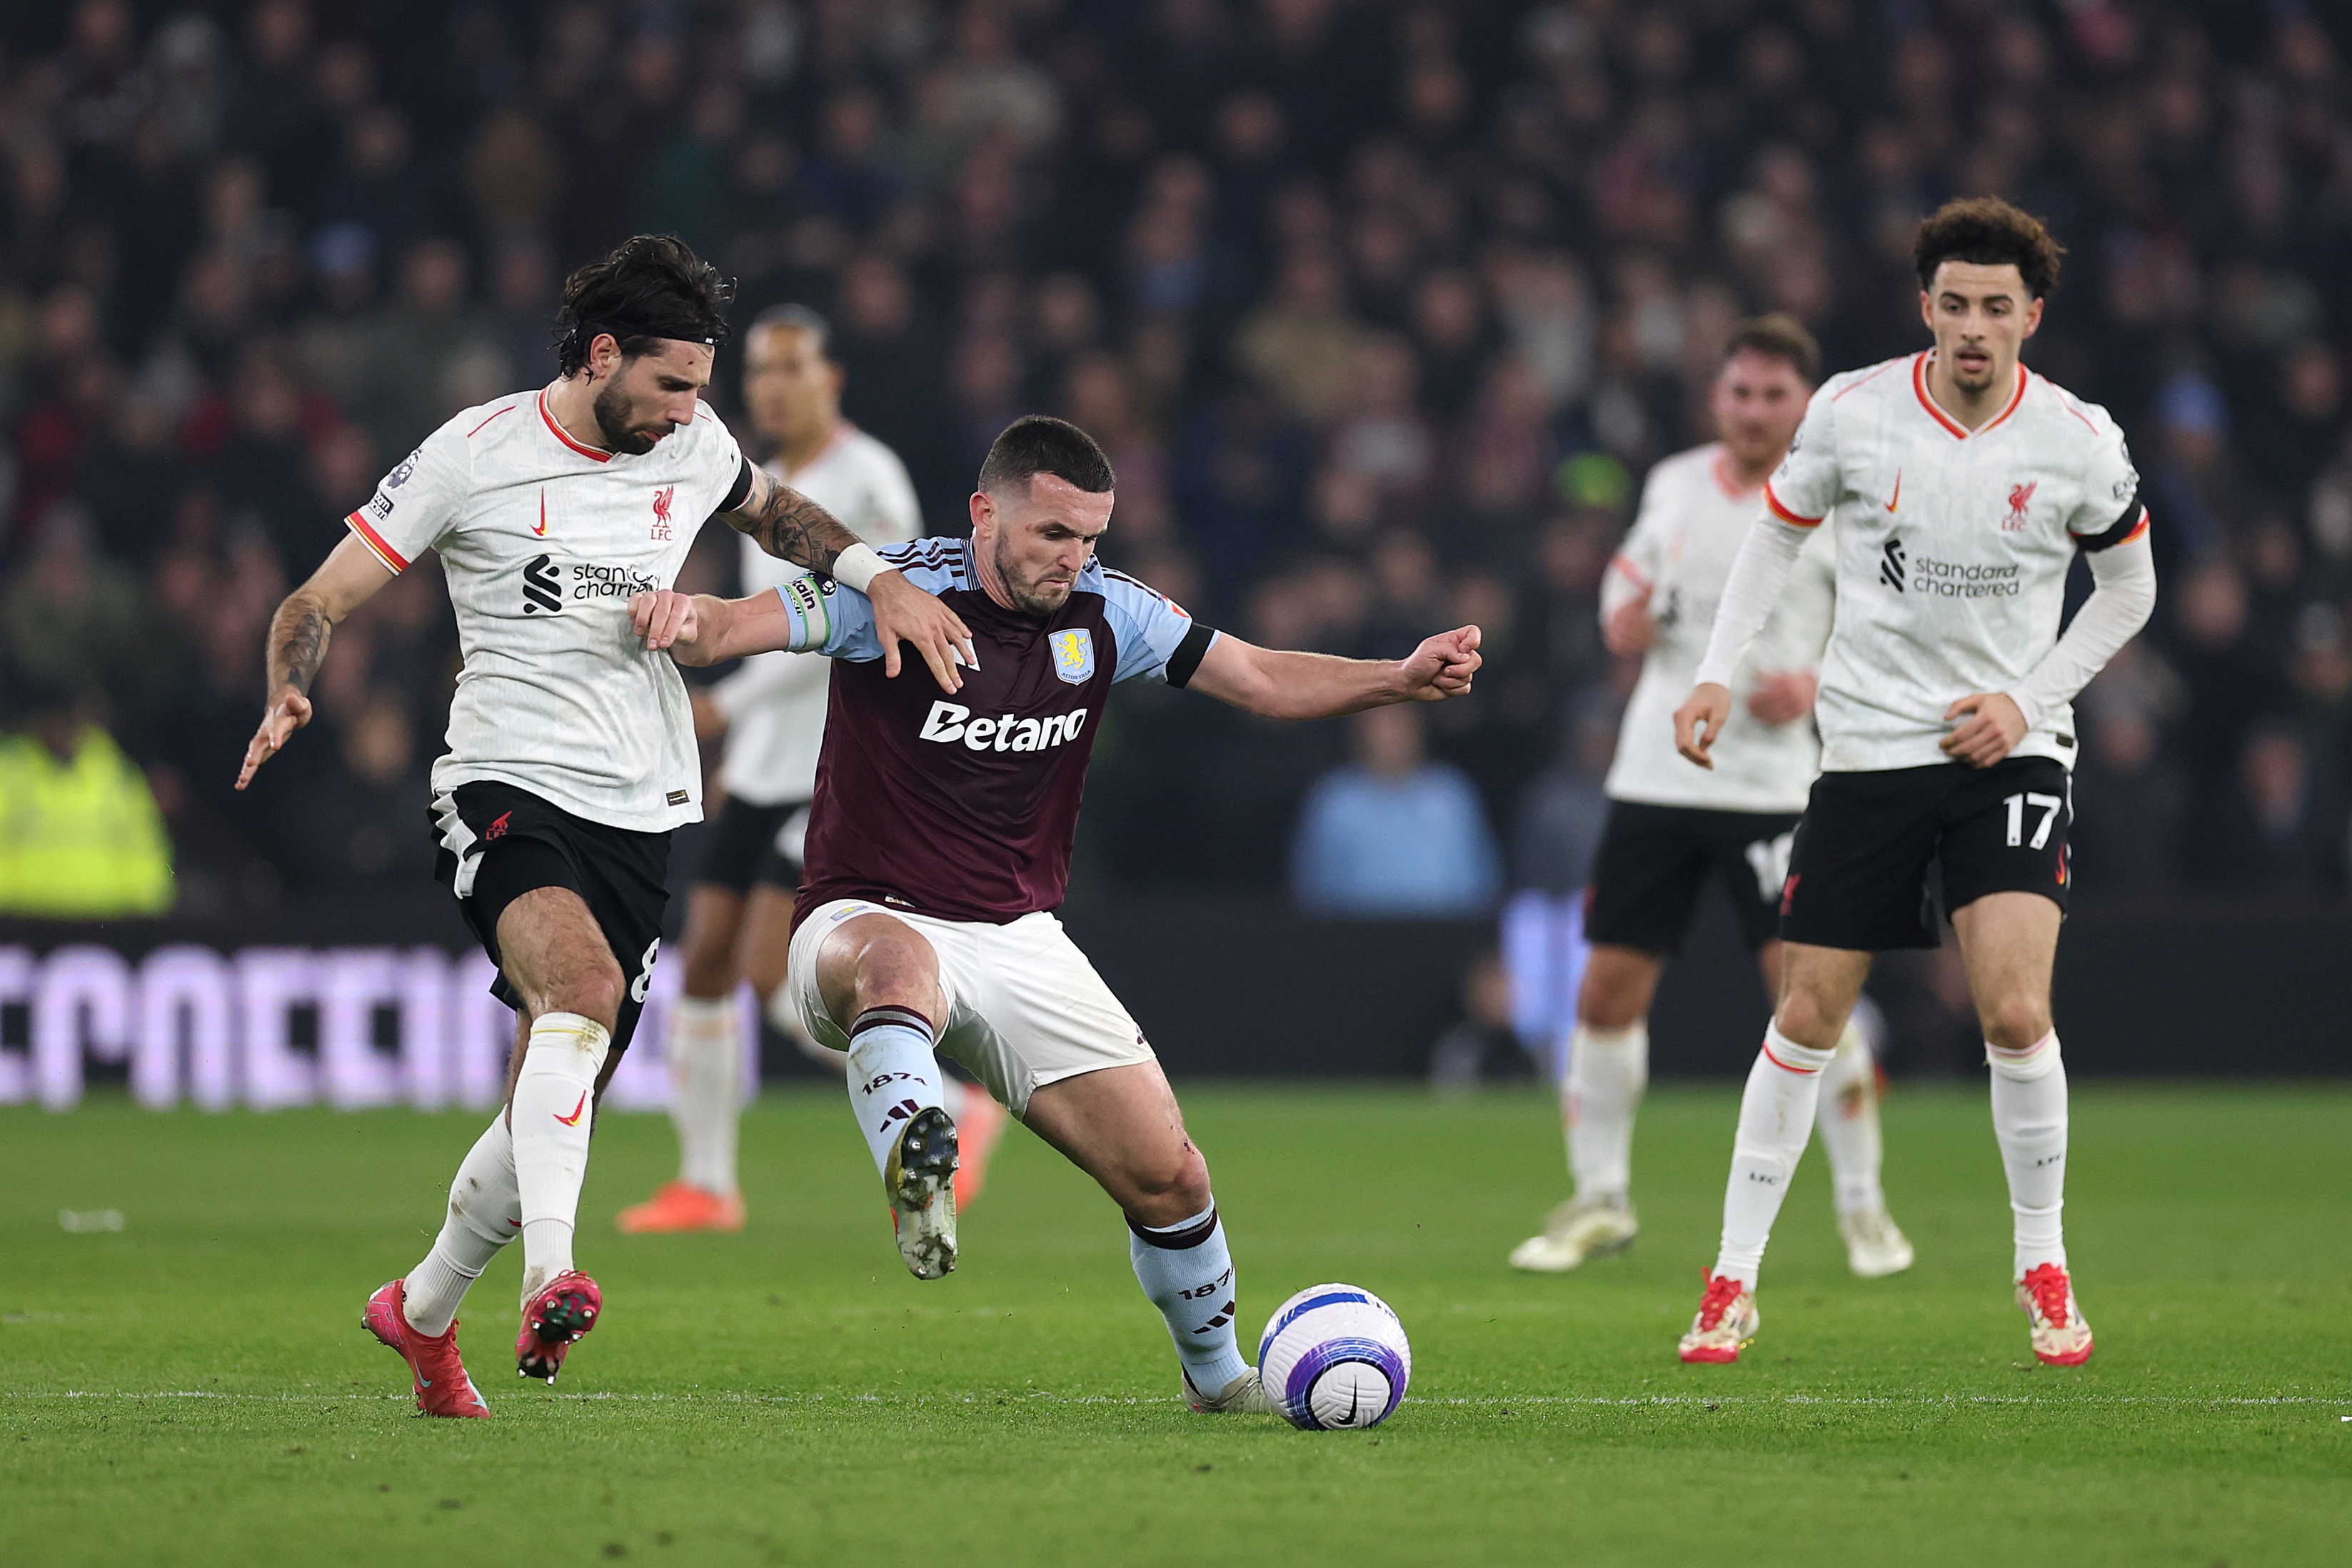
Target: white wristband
x=857, y=567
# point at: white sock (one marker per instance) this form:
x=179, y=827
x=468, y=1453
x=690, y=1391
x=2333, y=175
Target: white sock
x=1847, y=1116
x=892, y=1075
x=2029, y=1118
x=1188, y=1272
x=554, y=1110
x=706, y=1071
x=1607, y=1070
x=1776, y=1118
x=485, y=1214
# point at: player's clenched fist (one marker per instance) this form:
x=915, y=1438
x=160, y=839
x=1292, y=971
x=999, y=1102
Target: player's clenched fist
x=1443, y=666
x=1700, y=719
x=662, y=617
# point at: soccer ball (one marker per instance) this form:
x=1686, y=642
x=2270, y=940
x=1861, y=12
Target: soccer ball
x=1335, y=1357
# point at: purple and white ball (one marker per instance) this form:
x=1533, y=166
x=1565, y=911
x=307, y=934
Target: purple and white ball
x=1335, y=1358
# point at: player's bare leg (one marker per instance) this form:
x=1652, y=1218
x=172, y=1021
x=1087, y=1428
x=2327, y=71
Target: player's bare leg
x=1607, y=1068
x=1122, y=1126
x=555, y=958
x=705, y=1047
x=2009, y=942
x=879, y=979
x=1819, y=987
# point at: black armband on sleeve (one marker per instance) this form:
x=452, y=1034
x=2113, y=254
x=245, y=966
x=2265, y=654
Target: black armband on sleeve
x=740, y=490
x=1189, y=654
x=2134, y=519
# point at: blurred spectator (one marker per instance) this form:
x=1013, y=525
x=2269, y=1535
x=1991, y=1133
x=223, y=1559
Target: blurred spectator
x=1394, y=833
x=80, y=835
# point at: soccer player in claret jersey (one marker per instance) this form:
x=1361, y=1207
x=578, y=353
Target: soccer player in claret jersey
x=1670, y=826
x=940, y=844
x=572, y=752
x=739, y=917
x=1962, y=485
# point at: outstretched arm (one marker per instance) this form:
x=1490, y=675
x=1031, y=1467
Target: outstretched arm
x=1277, y=685
x=1759, y=573
x=787, y=525
x=299, y=633
x=698, y=629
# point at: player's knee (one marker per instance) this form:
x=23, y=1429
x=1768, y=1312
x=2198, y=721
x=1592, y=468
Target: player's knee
x=594, y=988
x=1615, y=990
x=2014, y=1023
x=1167, y=1187
x=709, y=970
x=1810, y=1019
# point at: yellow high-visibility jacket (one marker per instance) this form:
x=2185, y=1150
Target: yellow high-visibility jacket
x=79, y=840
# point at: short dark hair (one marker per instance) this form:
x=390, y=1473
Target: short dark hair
x=1040, y=444
x=1985, y=231
x=1778, y=336
x=653, y=287
x=796, y=319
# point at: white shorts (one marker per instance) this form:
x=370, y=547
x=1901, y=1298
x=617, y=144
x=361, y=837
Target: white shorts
x=1024, y=1008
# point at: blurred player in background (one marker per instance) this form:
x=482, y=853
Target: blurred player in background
x=940, y=844
x=739, y=921
x=1670, y=826
x=572, y=755
x=1963, y=485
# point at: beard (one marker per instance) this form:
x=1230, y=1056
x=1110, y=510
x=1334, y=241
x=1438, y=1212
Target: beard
x=1031, y=598
x=613, y=423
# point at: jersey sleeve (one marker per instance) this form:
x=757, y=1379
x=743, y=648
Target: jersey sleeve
x=1809, y=482
x=2111, y=511
x=1641, y=556
x=1150, y=628
x=417, y=504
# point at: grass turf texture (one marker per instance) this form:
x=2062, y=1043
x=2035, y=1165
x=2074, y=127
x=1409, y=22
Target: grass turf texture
x=788, y=1395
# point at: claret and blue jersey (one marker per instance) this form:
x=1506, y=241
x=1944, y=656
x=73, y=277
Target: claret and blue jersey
x=966, y=807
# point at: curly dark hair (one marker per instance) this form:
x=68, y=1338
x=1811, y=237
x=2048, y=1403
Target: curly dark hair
x=652, y=287
x=1986, y=231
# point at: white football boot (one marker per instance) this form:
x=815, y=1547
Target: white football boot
x=1727, y=1321
x=1245, y=1395
x=920, y=1183
x=2062, y=1337
x=1579, y=1229
x=1874, y=1247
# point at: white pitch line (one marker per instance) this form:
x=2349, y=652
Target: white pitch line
x=1922, y=1402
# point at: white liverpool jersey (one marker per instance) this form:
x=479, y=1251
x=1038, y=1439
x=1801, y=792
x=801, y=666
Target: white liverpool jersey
x=1952, y=550
x=1690, y=526
x=543, y=541
x=775, y=702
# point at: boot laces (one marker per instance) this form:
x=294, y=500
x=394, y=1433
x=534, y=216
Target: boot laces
x=2047, y=1285
x=1722, y=1290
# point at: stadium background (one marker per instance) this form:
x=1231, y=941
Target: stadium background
x=1382, y=311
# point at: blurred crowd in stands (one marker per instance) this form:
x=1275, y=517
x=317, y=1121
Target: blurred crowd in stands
x=1382, y=309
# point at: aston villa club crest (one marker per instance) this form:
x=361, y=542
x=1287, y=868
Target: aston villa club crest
x=661, y=510
x=1074, y=655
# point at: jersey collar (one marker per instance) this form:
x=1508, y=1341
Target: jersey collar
x=558, y=432
x=1958, y=431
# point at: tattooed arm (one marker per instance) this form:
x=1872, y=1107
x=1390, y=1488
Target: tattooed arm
x=787, y=525
x=298, y=632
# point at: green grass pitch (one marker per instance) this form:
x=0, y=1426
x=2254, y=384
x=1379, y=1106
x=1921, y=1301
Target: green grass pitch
x=197, y=1388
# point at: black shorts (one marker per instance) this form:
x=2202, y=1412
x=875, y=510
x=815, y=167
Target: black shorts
x=742, y=847
x=504, y=841
x=1859, y=876
x=1653, y=860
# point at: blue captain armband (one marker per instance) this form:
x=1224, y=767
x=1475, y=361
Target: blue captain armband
x=808, y=600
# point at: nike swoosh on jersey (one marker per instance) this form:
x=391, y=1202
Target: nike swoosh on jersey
x=1892, y=502
x=542, y=529
x=573, y=1120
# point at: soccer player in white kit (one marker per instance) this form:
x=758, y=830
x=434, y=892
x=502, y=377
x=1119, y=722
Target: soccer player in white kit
x=939, y=846
x=572, y=752
x=1670, y=826
x=739, y=917
x=1962, y=485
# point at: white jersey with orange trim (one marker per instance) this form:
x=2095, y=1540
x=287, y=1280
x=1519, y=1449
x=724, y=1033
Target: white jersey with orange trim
x=542, y=540
x=1692, y=520
x=775, y=702
x=1952, y=550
